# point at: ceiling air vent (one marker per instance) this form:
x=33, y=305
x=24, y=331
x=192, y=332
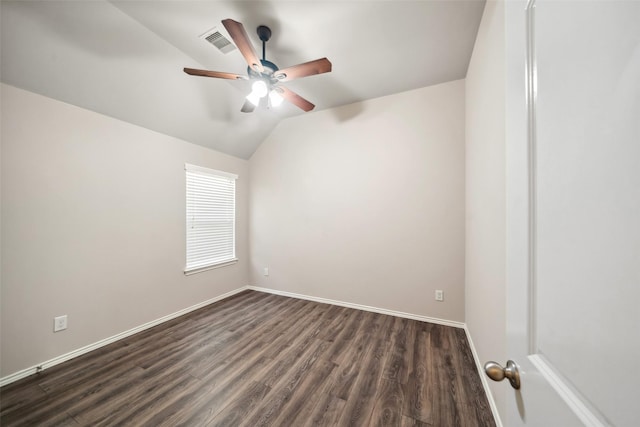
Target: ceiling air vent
x=216, y=38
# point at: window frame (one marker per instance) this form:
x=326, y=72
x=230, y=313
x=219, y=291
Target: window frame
x=204, y=171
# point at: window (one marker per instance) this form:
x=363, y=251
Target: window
x=211, y=212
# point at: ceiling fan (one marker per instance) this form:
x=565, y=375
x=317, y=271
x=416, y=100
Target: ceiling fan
x=266, y=89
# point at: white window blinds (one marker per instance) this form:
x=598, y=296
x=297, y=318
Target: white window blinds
x=211, y=200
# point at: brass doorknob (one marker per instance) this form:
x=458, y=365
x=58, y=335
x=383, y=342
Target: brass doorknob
x=497, y=373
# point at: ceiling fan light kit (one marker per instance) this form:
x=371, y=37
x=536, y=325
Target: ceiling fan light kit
x=254, y=99
x=266, y=89
x=275, y=99
x=259, y=88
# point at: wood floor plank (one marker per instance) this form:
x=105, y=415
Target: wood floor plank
x=260, y=359
x=342, y=339
x=298, y=398
x=387, y=409
x=362, y=399
x=228, y=348
x=66, y=399
x=234, y=413
x=327, y=412
x=266, y=413
x=471, y=397
x=129, y=393
x=105, y=395
x=461, y=352
x=410, y=422
x=421, y=383
x=288, y=357
x=88, y=367
x=138, y=405
x=17, y=397
x=294, y=323
x=446, y=406
x=234, y=374
x=206, y=402
x=232, y=385
x=313, y=397
x=333, y=322
x=59, y=420
x=349, y=361
x=211, y=393
x=399, y=361
x=475, y=416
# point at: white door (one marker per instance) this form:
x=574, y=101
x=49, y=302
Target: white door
x=573, y=212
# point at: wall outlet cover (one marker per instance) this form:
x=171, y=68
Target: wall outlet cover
x=59, y=323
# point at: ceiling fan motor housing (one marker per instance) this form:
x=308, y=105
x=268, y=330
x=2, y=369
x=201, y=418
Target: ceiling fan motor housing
x=269, y=69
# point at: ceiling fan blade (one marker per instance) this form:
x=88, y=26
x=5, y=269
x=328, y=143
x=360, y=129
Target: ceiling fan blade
x=247, y=107
x=218, y=74
x=295, y=99
x=310, y=68
x=239, y=35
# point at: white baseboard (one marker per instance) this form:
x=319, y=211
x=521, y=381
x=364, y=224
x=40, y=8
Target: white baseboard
x=361, y=307
x=78, y=352
x=483, y=378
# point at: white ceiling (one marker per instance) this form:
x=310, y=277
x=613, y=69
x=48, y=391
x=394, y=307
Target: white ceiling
x=125, y=58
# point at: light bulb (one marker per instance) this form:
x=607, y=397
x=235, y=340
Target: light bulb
x=259, y=88
x=275, y=98
x=253, y=98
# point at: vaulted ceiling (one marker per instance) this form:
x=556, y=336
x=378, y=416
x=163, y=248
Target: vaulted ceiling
x=125, y=58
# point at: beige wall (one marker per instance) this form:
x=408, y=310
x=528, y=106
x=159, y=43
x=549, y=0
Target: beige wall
x=93, y=227
x=365, y=203
x=485, y=193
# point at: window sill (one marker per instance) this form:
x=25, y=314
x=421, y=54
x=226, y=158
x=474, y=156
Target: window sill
x=210, y=267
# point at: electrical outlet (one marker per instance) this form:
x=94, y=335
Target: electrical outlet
x=439, y=295
x=59, y=323
x=266, y=271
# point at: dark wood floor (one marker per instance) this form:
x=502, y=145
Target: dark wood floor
x=257, y=359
